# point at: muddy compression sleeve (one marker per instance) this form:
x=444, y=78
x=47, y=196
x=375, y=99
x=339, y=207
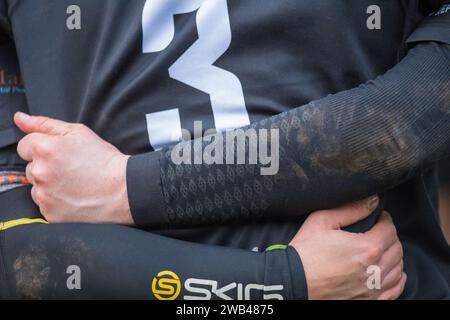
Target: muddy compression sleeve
x=338, y=149
x=39, y=260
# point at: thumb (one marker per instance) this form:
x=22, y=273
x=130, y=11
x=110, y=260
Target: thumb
x=350, y=213
x=29, y=124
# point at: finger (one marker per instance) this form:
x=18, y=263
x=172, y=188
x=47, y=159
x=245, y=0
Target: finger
x=33, y=195
x=27, y=146
x=395, y=292
x=391, y=257
x=393, y=277
x=383, y=232
x=28, y=170
x=351, y=213
x=29, y=124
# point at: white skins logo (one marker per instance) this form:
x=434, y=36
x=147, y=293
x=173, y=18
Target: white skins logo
x=167, y=286
x=249, y=146
x=201, y=289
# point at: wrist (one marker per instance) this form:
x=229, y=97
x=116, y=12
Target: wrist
x=118, y=203
x=304, y=255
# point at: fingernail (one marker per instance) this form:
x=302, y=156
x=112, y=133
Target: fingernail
x=23, y=116
x=373, y=202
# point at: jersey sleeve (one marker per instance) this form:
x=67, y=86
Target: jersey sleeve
x=118, y=262
x=335, y=150
x=435, y=27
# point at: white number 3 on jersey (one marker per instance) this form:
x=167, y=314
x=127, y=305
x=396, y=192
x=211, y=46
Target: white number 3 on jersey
x=195, y=66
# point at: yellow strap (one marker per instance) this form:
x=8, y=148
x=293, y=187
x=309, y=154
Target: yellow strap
x=19, y=222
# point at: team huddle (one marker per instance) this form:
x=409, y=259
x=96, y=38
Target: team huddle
x=348, y=111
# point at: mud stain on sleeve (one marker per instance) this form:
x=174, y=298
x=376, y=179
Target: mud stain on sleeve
x=31, y=271
x=40, y=266
x=76, y=251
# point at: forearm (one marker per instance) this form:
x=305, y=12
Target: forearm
x=120, y=262
x=341, y=148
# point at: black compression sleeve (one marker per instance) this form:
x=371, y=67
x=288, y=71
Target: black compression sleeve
x=341, y=148
x=119, y=262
